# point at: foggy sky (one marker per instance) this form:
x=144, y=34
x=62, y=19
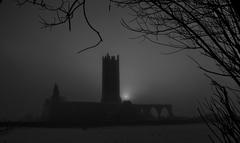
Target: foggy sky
x=33, y=59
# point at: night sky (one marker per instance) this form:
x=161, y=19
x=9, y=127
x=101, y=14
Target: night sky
x=33, y=59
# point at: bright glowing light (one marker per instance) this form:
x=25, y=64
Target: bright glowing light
x=126, y=96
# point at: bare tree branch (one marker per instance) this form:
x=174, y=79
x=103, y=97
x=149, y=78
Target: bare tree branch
x=64, y=12
x=92, y=28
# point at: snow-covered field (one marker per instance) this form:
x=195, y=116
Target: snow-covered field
x=192, y=133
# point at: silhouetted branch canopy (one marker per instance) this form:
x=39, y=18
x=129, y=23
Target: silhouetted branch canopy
x=63, y=11
x=211, y=26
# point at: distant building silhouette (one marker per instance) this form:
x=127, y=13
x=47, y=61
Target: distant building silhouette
x=110, y=109
x=110, y=80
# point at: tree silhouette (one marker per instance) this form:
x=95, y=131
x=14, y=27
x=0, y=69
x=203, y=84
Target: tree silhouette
x=211, y=27
x=64, y=11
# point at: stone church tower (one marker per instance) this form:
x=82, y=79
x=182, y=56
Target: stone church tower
x=110, y=79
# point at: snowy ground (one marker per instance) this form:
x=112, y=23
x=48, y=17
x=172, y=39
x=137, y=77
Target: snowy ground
x=192, y=133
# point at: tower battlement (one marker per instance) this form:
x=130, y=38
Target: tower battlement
x=110, y=58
